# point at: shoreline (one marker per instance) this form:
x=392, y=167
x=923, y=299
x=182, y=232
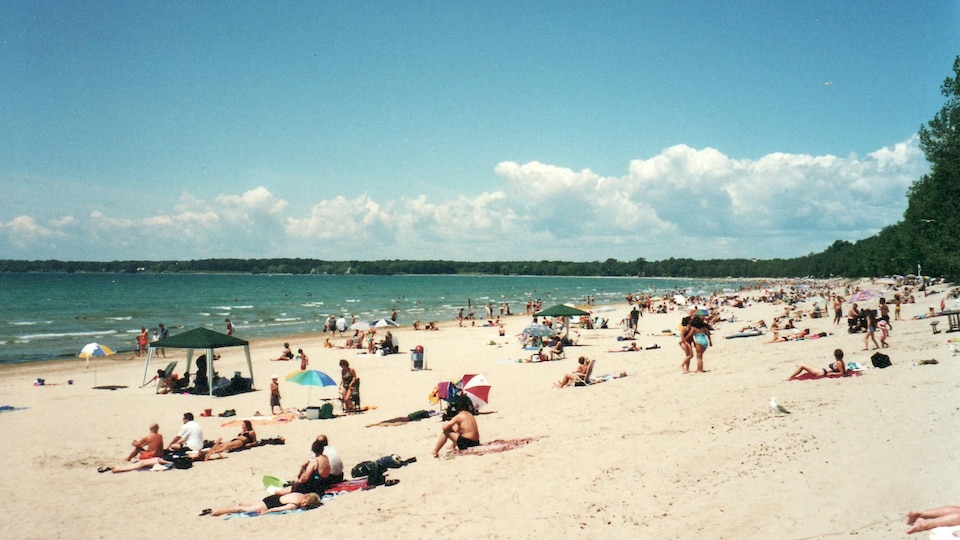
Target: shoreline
x=654, y=454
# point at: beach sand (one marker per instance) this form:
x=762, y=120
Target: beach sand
x=655, y=454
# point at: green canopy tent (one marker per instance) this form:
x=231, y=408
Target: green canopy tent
x=562, y=310
x=202, y=339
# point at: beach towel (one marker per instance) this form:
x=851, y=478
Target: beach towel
x=811, y=377
x=8, y=408
x=254, y=514
x=497, y=446
x=283, y=418
x=943, y=533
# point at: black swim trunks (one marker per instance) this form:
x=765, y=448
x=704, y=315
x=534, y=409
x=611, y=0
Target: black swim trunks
x=272, y=501
x=464, y=443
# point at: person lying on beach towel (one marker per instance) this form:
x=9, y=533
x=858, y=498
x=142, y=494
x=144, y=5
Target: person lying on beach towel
x=836, y=369
x=924, y=520
x=271, y=503
x=247, y=438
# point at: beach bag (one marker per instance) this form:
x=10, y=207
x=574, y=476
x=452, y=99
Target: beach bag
x=880, y=360
x=371, y=470
x=326, y=411
x=182, y=462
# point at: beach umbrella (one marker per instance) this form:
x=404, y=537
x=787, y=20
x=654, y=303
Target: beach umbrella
x=310, y=378
x=384, y=323
x=701, y=312
x=538, y=330
x=477, y=388
x=363, y=326
x=94, y=349
x=91, y=350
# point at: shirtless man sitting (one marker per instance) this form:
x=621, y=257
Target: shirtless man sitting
x=461, y=430
x=147, y=452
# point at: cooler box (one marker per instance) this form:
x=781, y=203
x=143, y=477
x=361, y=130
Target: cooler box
x=416, y=358
x=322, y=412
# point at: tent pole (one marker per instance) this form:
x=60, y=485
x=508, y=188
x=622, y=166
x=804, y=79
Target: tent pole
x=146, y=368
x=246, y=350
x=210, y=372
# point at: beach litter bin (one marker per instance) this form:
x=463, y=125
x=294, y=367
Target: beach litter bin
x=416, y=358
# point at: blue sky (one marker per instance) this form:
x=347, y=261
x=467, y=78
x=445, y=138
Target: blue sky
x=468, y=131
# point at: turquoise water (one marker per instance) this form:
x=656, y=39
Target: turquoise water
x=48, y=316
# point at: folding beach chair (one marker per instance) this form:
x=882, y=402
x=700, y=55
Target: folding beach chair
x=584, y=379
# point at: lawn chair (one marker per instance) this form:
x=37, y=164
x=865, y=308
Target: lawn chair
x=584, y=379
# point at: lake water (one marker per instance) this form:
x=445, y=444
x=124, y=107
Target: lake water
x=46, y=316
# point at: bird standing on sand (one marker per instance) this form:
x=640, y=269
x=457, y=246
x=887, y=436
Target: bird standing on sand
x=776, y=407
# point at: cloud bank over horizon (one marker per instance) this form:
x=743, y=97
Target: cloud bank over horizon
x=683, y=202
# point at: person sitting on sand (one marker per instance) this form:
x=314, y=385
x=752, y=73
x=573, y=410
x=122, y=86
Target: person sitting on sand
x=270, y=503
x=836, y=369
x=538, y=356
x=924, y=520
x=556, y=351
x=146, y=453
x=578, y=375
x=313, y=473
x=247, y=438
x=461, y=430
x=287, y=354
x=190, y=436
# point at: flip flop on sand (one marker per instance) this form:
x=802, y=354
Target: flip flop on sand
x=104, y=469
x=206, y=511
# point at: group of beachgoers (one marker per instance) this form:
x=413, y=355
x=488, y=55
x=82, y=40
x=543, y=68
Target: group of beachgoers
x=150, y=452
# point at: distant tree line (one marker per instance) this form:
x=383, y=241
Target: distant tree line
x=926, y=241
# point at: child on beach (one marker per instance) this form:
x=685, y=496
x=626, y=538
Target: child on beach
x=275, y=396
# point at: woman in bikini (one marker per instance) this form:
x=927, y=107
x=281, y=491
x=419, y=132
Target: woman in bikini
x=837, y=369
x=348, y=384
x=272, y=503
x=247, y=438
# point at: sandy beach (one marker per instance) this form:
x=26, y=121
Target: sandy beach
x=654, y=454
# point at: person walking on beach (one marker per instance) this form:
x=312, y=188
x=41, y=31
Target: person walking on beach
x=837, y=309
x=304, y=361
x=229, y=327
x=275, y=396
x=686, y=344
x=164, y=334
x=871, y=322
x=700, y=336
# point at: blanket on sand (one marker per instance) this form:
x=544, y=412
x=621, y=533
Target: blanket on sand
x=283, y=418
x=497, y=446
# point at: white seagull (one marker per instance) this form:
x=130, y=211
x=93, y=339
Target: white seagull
x=776, y=407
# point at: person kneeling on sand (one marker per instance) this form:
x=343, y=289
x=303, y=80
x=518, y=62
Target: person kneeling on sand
x=270, y=503
x=461, y=430
x=924, y=520
x=836, y=369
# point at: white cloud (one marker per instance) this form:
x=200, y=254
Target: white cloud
x=683, y=202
